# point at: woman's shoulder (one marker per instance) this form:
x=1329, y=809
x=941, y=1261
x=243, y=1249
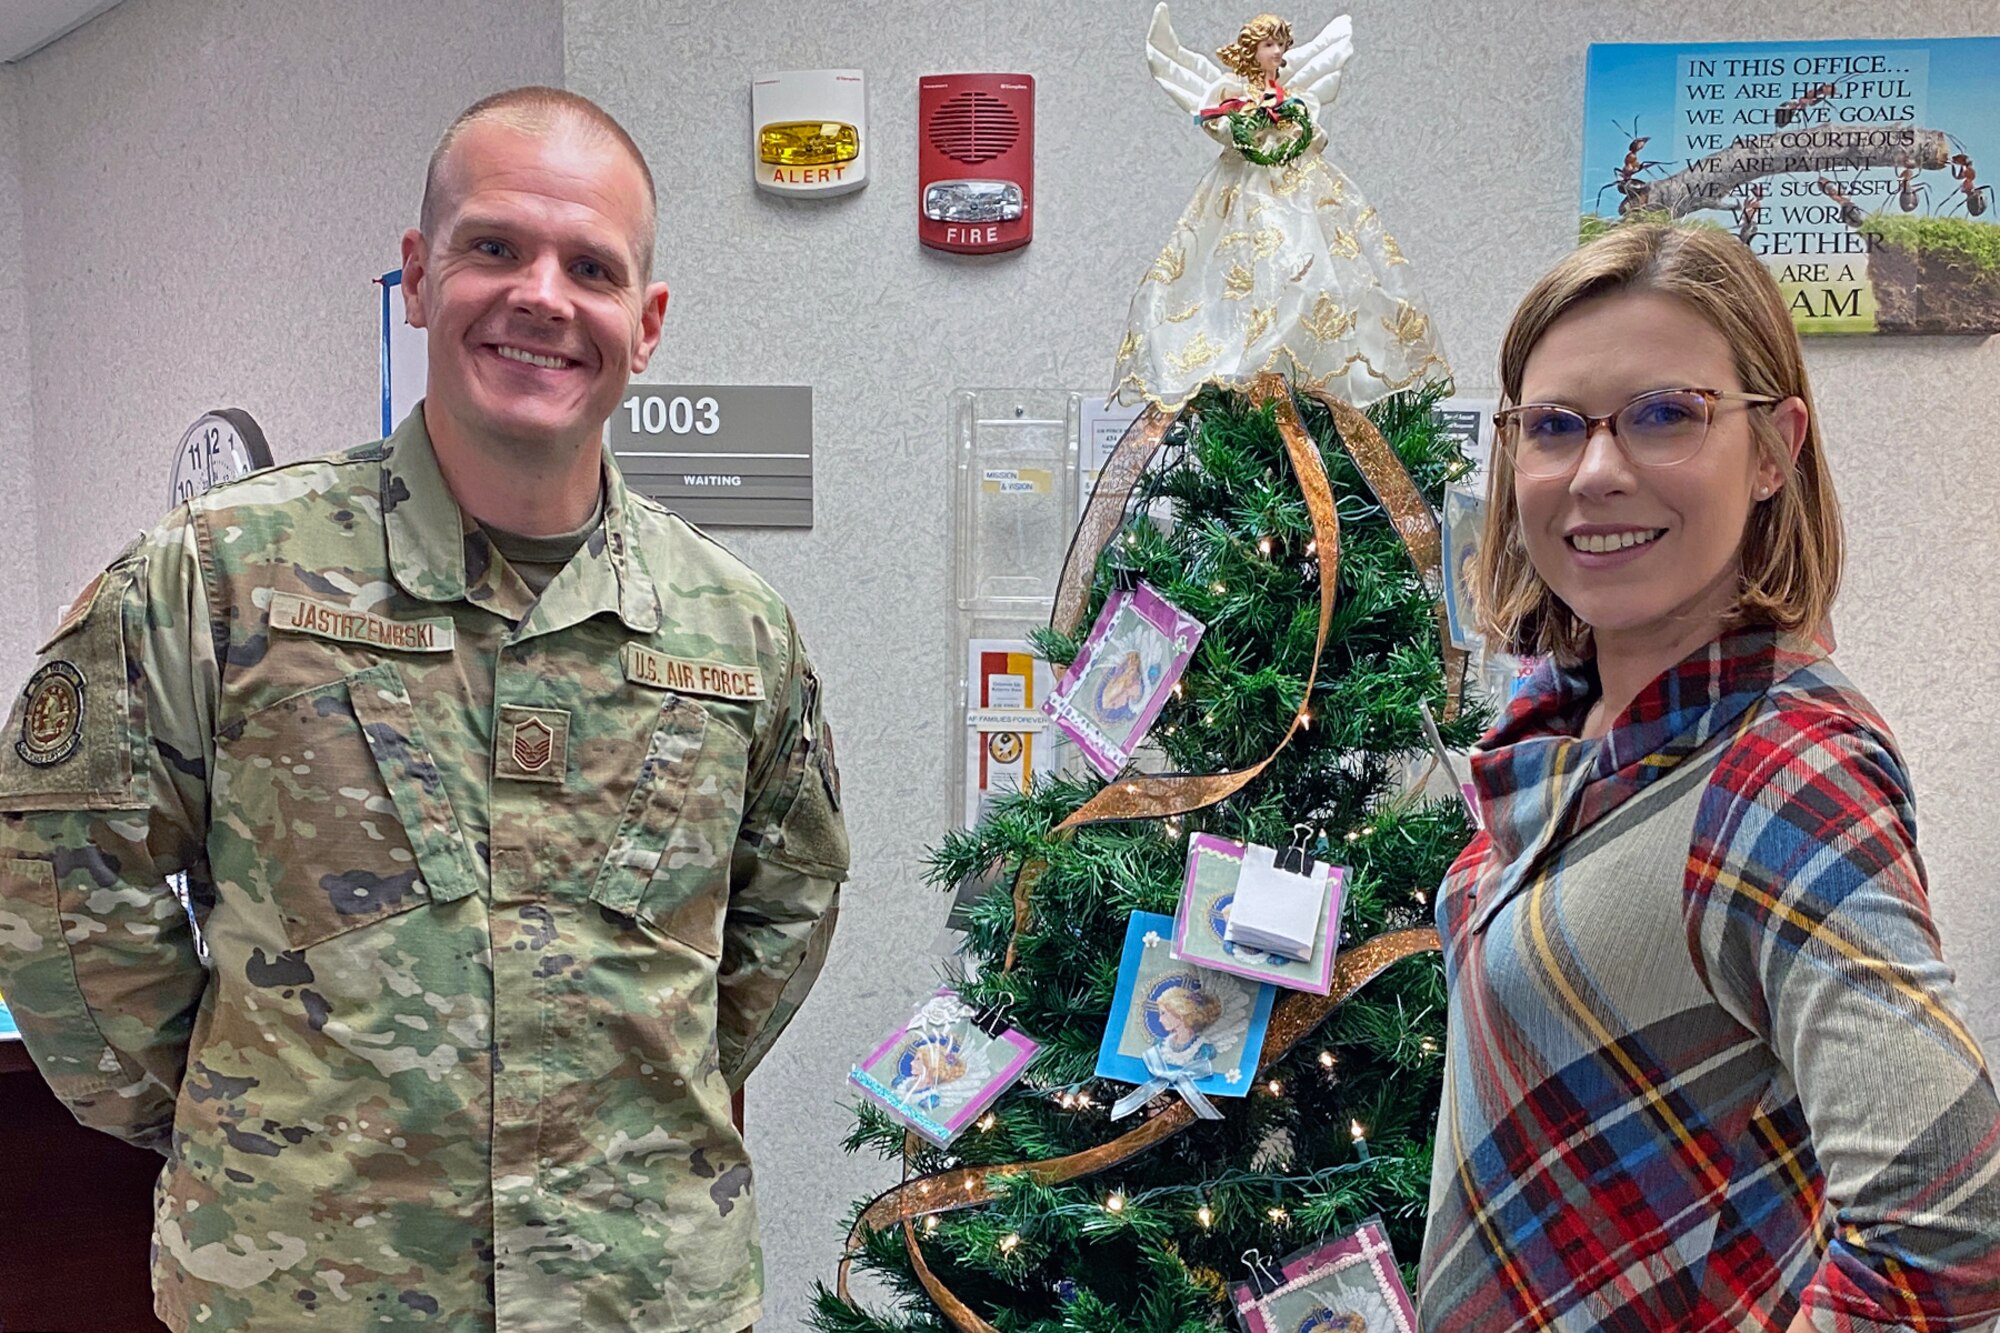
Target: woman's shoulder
x=1815, y=738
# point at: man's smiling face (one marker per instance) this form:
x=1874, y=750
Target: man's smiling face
x=531, y=287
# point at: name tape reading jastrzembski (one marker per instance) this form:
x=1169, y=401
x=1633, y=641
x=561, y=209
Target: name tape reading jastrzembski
x=302, y=615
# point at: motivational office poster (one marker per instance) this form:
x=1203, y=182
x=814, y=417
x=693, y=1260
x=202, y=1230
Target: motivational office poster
x=1860, y=172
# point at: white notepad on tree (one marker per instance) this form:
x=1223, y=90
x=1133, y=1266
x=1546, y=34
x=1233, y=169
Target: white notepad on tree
x=1277, y=911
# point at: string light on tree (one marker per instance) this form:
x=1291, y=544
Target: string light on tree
x=1360, y=1139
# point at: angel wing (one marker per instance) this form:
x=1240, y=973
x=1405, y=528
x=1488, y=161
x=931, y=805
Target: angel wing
x=1187, y=76
x=1314, y=68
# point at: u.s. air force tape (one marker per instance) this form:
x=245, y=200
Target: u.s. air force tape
x=684, y=675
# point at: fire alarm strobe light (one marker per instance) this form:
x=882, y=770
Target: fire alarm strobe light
x=976, y=162
x=809, y=131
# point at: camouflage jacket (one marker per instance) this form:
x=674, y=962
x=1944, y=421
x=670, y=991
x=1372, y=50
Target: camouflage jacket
x=502, y=897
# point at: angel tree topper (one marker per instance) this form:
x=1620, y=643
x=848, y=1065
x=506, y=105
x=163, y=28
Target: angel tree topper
x=1277, y=263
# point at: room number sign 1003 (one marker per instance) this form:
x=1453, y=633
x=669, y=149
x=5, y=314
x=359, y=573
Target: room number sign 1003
x=655, y=415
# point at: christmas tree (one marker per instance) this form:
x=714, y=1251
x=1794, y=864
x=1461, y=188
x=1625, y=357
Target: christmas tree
x=1047, y=1214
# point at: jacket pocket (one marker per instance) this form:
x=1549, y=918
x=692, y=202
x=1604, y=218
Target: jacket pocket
x=70, y=1050
x=668, y=862
x=339, y=809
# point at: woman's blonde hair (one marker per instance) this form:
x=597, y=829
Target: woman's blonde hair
x=1241, y=54
x=1792, y=545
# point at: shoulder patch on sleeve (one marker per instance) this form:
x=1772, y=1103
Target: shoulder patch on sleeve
x=51, y=715
x=70, y=737
x=79, y=607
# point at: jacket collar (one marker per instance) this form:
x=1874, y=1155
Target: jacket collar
x=1539, y=783
x=438, y=553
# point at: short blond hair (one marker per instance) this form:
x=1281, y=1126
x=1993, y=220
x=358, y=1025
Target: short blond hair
x=1191, y=1004
x=1241, y=54
x=1792, y=545
x=539, y=110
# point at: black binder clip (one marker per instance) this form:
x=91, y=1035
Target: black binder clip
x=1297, y=859
x=991, y=1019
x=1263, y=1278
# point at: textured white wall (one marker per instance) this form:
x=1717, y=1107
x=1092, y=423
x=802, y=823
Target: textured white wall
x=1460, y=120
x=208, y=188
x=203, y=191
x=20, y=608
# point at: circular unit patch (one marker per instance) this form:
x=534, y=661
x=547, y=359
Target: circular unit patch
x=52, y=717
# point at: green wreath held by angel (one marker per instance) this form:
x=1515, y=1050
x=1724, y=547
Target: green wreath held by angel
x=1277, y=262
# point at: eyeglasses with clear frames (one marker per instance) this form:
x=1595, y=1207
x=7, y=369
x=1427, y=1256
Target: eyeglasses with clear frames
x=1659, y=429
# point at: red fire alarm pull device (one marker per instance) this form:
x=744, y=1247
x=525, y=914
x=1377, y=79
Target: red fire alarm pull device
x=976, y=162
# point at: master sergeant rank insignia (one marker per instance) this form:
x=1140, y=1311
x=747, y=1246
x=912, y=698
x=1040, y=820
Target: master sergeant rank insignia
x=532, y=744
x=52, y=719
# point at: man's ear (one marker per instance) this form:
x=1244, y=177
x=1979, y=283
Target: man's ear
x=416, y=262
x=652, y=316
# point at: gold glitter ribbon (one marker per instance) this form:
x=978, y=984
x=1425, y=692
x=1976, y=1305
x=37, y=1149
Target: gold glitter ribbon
x=1024, y=900
x=1157, y=797
x=1411, y=516
x=1106, y=510
x=949, y=1305
x=1173, y=794
x=1295, y=1018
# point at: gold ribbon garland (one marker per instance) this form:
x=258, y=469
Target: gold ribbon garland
x=1155, y=797
x=1146, y=797
x=961, y=1315
x=1151, y=797
x=1102, y=516
x=1411, y=516
x=1295, y=1018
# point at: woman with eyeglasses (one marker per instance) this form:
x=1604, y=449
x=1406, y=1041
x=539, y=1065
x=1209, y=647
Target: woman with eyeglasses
x=1706, y=1068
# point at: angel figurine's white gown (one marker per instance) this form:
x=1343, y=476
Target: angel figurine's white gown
x=1273, y=268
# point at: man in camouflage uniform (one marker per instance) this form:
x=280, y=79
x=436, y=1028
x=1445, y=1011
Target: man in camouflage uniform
x=510, y=819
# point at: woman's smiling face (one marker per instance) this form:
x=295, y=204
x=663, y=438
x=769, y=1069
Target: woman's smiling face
x=1635, y=552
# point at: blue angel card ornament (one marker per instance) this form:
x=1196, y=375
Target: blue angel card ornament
x=1175, y=1027
x=1277, y=263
